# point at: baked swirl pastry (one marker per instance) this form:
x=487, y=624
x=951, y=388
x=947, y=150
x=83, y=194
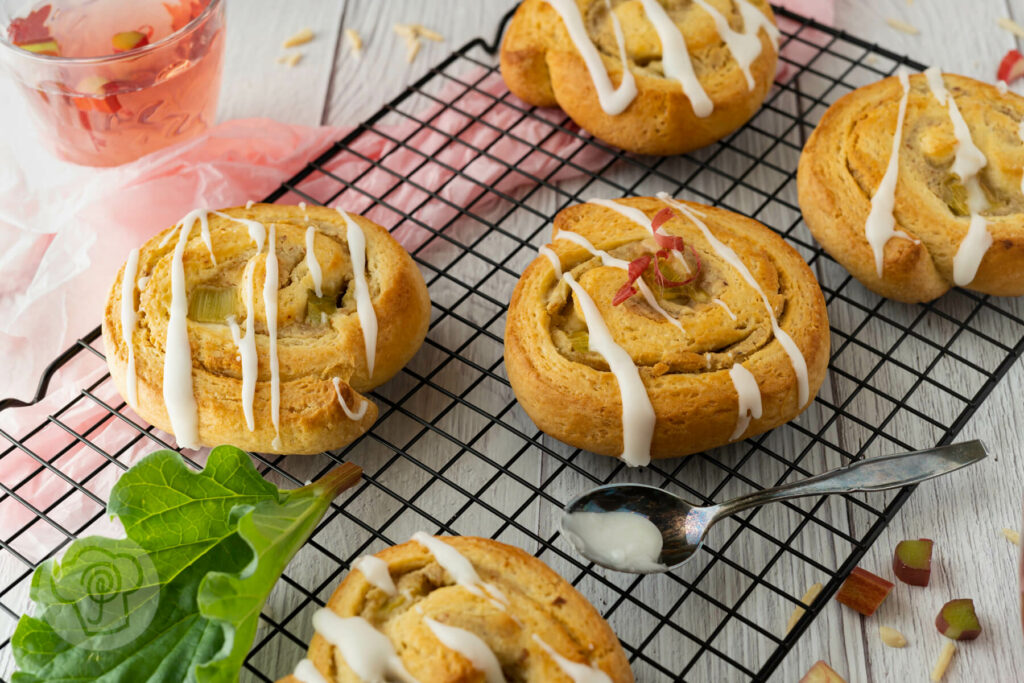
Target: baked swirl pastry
x=262, y=326
x=457, y=609
x=914, y=184
x=651, y=327
x=649, y=76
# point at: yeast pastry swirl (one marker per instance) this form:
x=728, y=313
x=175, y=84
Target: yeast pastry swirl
x=738, y=352
x=952, y=194
x=649, y=76
x=459, y=610
x=194, y=350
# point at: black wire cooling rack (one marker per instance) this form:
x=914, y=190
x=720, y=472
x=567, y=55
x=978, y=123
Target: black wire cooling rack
x=452, y=452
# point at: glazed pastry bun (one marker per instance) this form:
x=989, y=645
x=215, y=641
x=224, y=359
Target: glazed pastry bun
x=649, y=76
x=459, y=609
x=264, y=326
x=914, y=184
x=651, y=327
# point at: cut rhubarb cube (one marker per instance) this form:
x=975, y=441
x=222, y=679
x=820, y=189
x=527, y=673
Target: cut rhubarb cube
x=43, y=47
x=958, y=621
x=912, y=561
x=821, y=673
x=1012, y=67
x=129, y=40
x=102, y=99
x=863, y=591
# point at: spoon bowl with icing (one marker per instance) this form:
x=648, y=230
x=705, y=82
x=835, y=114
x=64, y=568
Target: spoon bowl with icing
x=642, y=529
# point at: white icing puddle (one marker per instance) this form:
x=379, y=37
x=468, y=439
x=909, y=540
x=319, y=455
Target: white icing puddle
x=623, y=541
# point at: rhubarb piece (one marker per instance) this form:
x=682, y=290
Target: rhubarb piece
x=211, y=304
x=945, y=657
x=892, y=637
x=912, y=561
x=319, y=306
x=580, y=341
x=863, y=591
x=43, y=47
x=31, y=29
x=1012, y=536
x=1011, y=68
x=99, y=95
x=957, y=620
x=821, y=673
x=129, y=40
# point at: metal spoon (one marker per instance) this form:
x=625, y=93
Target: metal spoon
x=683, y=526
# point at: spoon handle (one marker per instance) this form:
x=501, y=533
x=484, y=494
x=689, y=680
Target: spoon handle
x=874, y=474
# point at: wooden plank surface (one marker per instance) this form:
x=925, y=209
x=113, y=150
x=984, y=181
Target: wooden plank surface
x=963, y=514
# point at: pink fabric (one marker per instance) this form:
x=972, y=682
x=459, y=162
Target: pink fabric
x=63, y=240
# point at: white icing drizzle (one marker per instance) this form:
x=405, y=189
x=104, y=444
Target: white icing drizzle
x=461, y=569
x=641, y=219
x=749, y=399
x=305, y=672
x=142, y=282
x=1002, y=87
x=881, y=224
x=166, y=239
x=314, y=266
x=609, y=260
x=613, y=100
x=376, y=572
x=128, y=319
x=579, y=673
x=796, y=358
x=967, y=163
x=746, y=46
x=637, y=412
x=624, y=541
x=725, y=306
x=247, y=347
x=470, y=646
x=204, y=231
x=676, y=58
x=556, y=263
x=181, y=404
x=248, y=204
x=367, y=651
x=351, y=414
x=270, y=304
x=364, y=305
x=302, y=205
x=257, y=231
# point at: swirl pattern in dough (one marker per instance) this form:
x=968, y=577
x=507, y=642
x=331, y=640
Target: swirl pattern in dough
x=459, y=609
x=736, y=352
x=649, y=76
x=939, y=205
x=191, y=346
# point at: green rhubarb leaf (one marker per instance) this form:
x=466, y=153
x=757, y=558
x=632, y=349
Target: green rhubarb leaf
x=179, y=598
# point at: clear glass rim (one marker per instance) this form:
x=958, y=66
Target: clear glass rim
x=213, y=6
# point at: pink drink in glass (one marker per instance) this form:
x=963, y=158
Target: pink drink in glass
x=112, y=80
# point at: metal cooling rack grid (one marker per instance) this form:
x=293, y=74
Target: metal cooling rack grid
x=453, y=452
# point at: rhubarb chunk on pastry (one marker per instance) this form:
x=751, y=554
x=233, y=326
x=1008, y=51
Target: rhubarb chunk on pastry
x=915, y=184
x=651, y=327
x=459, y=609
x=649, y=76
x=263, y=326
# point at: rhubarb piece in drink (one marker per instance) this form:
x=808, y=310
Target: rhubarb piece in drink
x=958, y=621
x=912, y=561
x=863, y=591
x=129, y=40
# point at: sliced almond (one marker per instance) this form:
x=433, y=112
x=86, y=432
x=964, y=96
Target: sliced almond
x=903, y=26
x=798, y=612
x=1012, y=536
x=300, y=38
x=425, y=32
x=1011, y=26
x=413, y=50
x=404, y=30
x=945, y=657
x=291, y=59
x=892, y=637
x=354, y=41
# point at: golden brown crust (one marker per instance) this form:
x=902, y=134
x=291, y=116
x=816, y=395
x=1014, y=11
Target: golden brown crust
x=540, y=603
x=540, y=64
x=573, y=397
x=310, y=354
x=846, y=156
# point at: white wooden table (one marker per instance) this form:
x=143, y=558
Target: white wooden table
x=963, y=515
